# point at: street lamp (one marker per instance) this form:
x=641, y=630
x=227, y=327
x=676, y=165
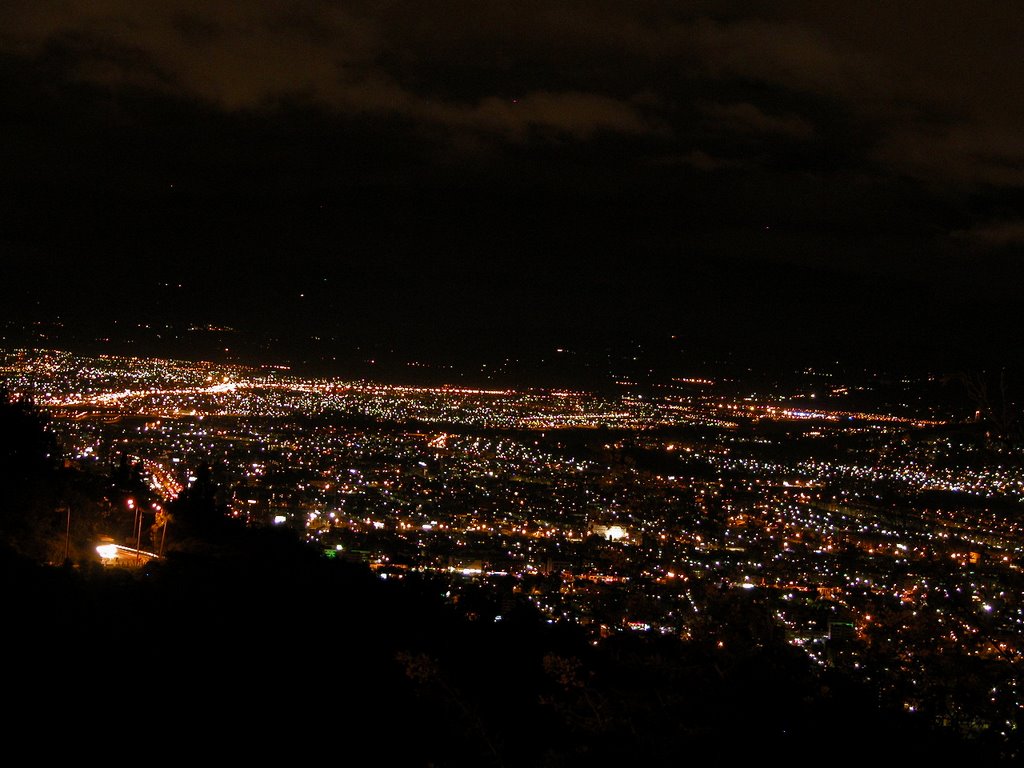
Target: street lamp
x=138, y=537
x=67, y=535
x=137, y=525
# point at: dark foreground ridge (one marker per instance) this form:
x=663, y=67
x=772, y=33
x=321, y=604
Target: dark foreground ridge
x=257, y=646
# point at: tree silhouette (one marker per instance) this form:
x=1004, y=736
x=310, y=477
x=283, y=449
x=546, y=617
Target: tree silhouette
x=28, y=470
x=994, y=402
x=199, y=510
x=128, y=477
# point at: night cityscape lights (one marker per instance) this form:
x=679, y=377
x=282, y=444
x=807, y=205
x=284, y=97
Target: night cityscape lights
x=875, y=540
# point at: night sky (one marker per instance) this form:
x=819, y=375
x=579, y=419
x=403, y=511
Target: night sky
x=816, y=180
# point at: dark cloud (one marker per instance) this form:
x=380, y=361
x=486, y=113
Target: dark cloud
x=255, y=55
x=557, y=163
x=700, y=160
x=958, y=153
x=746, y=118
x=998, y=234
x=925, y=81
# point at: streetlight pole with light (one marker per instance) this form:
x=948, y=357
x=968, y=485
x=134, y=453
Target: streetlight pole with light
x=67, y=535
x=137, y=525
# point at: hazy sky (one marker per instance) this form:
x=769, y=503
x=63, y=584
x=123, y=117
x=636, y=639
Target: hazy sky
x=775, y=176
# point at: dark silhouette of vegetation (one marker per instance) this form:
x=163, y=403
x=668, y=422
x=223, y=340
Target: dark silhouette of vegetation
x=996, y=404
x=199, y=514
x=28, y=470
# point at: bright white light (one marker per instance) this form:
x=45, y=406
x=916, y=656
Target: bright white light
x=107, y=551
x=278, y=519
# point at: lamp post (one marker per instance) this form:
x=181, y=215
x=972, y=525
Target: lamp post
x=67, y=535
x=138, y=537
x=161, y=518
